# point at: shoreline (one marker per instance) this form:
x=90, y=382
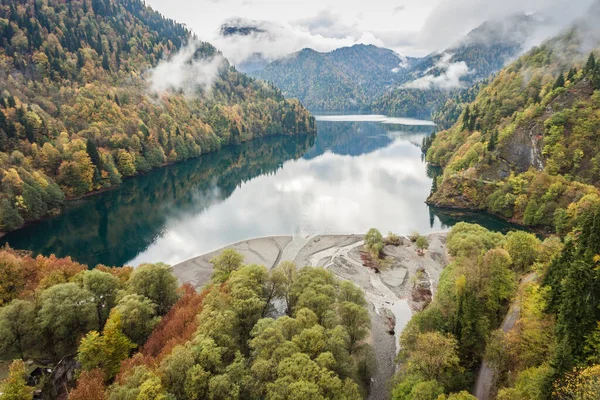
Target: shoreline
x=389, y=293
x=73, y=200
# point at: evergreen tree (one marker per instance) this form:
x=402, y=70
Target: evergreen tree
x=493, y=140
x=560, y=81
x=92, y=151
x=466, y=118
x=105, y=63
x=591, y=63
x=3, y=124
x=80, y=60
x=9, y=217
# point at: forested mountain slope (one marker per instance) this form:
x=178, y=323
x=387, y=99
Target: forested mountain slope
x=346, y=78
x=527, y=148
x=81, y=106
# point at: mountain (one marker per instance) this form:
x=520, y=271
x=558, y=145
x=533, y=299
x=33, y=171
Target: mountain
x=526, y=148
x=346, y=78
x=92, y=91
x=438, y=77
x=374, y=79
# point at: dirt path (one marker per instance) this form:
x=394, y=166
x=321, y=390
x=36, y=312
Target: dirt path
x=485, y=377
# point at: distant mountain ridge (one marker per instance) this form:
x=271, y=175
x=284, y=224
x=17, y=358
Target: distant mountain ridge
x=346, y=78
x=370, y=78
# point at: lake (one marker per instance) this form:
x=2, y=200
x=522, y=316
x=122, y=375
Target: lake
x=358, y=172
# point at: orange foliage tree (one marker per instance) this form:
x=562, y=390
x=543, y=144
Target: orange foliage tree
x=90, y=386
x=178, y=326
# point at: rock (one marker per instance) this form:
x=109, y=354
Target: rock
x=390, y=320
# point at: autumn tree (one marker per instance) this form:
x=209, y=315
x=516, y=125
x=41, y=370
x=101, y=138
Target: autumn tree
x=105, y=352
x=14, y=387
x=90, y=386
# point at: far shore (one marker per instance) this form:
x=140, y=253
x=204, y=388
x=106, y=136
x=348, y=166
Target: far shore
x=389, y=292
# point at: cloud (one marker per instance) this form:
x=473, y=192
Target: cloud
x=274, y=40
x=448, y=79
x=329, y=25
x=450, y=20
x=186, y=73
x=409, y=27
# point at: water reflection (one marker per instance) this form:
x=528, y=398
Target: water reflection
x=353, y=176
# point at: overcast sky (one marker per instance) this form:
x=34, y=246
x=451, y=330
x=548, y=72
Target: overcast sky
x=410, y=27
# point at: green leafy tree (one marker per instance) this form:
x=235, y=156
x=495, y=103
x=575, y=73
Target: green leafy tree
x=138, y=317
x=225, y=263
x=103, y=286
x=422, y=244
x=157, y=283
x=66, y=313
x=374, y=242
x=9, y=217
x=174, y=372
x=355, y=320
x=523, y=249
x=18, y=329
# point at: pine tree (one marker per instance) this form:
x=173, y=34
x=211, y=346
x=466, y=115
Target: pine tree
x=92, y=151
x=560, y=81
x=3, y=124
x=80, y=60
x=591, y=63
x=493, y=140
x=105, y=63
x=466, y=118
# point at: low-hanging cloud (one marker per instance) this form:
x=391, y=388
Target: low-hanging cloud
x=410, y=27
x=446, y=24
x=449, y=78
x=185, y=73
x=273, y=40
x=329, y=25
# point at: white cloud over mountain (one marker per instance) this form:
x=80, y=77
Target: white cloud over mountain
x=411, y=27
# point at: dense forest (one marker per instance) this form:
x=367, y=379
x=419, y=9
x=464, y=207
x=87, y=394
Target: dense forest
x=300, y=333
x=552, y=350
x=136, y=335
x=78, y=112
x=348, y=78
